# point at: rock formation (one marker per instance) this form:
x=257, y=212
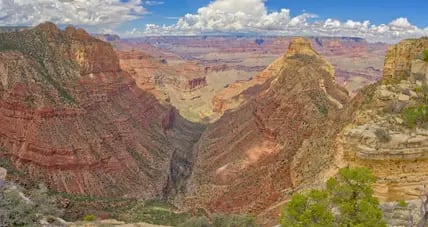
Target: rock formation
x=379, y=137
x=71, y=117
x=253, y=156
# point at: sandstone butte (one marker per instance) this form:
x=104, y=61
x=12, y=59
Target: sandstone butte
x=71, y=117
x=282, y=139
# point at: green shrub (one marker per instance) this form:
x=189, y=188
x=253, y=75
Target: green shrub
x=425, y=55
x=89, y=218
x=16, y=209
x=157, y=212
x=347, y=201
x=402, y=203
x=196, y=222
x=308, y=210
x=415, y=116
x=422, y=91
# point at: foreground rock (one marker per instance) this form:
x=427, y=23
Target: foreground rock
x=379, y=137
x=71, y=117
x=249, y=160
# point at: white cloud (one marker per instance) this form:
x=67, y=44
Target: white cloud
x=224, y=16
x=153, y=3
x=77, y=12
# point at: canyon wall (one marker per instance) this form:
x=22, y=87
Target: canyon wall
x=382, y=136
x=253, y=157
x=69, y=116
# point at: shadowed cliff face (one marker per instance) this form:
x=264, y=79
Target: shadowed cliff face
x=276, y=142
x=71, y=117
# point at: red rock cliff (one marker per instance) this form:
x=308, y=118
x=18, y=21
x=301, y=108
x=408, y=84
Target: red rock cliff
x=70, y=117
x=250, y=158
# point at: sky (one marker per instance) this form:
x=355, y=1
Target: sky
x=375, y=20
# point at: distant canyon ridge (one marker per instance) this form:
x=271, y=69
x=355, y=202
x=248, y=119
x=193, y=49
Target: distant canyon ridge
x=205, y=76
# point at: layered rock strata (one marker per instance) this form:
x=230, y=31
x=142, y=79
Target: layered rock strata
x=282, y=139
x=69, y=116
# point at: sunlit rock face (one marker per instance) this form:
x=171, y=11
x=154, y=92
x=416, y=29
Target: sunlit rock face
x=278, y=141
x=379, y=136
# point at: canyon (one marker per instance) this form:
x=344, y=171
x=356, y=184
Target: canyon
x=230, y=65
x=72, y=118
x=219, y=124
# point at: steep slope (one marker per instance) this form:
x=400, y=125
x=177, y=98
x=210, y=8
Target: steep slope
x=69, y=116
x=181, y=83
x=388, y=134
x=248, y=160
x=383, y=135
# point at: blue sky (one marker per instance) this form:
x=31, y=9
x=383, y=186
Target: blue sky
x=377, y=11
x=375, y=20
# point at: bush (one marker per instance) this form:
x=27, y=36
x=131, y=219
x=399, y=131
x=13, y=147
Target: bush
x=308, y=210
x=402, y=204
x=15, y=211
x=382, y=135
x=425, y=55
x=89, y=218
x=196, y=222
x=348, y=201
x=423, y=92
x=415, y=116
x=18, y=210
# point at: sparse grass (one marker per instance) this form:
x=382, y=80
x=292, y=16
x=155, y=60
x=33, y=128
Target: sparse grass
x=5, y=163
x=158, y=213
x=425, y=55
x=320, y=103
x=220, y=220
x=422, y=91
x=415, y=116
x=402, y=204
x=89, y=218
x=323, y=110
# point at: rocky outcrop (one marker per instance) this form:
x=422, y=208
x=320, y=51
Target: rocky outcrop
x=399, y=59
x=379, y=137
x=180, y=83
x=71, y=117
x=253, y=156
x=185, y=76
